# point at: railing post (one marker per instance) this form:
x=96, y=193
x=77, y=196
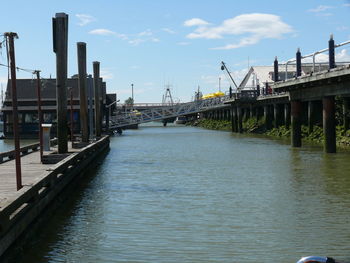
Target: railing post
x=298, y=61
x=331, y=53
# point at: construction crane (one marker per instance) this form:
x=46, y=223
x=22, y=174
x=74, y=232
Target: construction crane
x=224, y=67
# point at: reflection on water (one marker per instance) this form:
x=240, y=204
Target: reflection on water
x=183, y=194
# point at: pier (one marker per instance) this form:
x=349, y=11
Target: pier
x=42, y=184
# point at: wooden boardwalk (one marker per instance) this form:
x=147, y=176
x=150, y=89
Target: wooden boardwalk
x=32, y=170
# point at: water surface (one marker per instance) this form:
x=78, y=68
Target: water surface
x=184, y=194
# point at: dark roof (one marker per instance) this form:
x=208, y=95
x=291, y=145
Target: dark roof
x=26, y=89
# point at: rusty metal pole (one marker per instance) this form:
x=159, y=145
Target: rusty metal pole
x=11, y=36
x=40, y=114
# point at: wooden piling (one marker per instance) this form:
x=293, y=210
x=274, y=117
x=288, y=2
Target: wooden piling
x=329, y=124
x=98, y=128
x=60, y=39
x=81, y=50
x=296, y=123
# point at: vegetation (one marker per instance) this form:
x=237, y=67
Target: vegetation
x=129, y=101
x=253, y=126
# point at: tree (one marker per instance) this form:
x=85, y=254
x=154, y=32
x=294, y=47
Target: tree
x=129, y=101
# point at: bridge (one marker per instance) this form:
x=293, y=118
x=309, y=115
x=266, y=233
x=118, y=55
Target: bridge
x=163, y=112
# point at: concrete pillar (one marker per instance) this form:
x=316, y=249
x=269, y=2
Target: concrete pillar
x=296, y=123
x=239, y=119
x=329, y=124
x=346, y=113
x=267, y=116
x=310, y=116
x=287, y=115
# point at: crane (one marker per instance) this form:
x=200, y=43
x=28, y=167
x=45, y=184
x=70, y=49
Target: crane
x=223, y=67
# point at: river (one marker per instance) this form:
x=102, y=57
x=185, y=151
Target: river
x=186, y=194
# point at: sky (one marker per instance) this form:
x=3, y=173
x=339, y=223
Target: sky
x=156, y=43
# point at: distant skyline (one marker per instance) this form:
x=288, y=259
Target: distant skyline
x=181, y=43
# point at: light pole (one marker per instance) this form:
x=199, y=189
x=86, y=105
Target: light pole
x=132, y=96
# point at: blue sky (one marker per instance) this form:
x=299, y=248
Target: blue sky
x=181, y=43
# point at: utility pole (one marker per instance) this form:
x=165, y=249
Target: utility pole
x=10, y=38
x=60, y=47
x=96, y=66
x=132, y=96
x=40, y=114
x=81, y=46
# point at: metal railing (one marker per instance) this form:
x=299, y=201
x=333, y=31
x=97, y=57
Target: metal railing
x=313, y=55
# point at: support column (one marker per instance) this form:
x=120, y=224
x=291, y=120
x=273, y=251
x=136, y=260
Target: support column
x=267, y=116
x=234, y=118
x=329, y=124
x=296, y=123
x=60, y=47
x=239, y=119
x=276, y=116
x=287, y=115
x=251, y=109
x=310, y=116
x=81, y=47
x=346, y=113
x=97, y=89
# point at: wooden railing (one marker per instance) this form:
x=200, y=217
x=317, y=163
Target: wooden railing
x=13, y=213
x=10, y=155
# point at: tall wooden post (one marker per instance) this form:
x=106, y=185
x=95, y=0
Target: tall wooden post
x=81, y=47
x=296, y=123
x=346, y=113
x=60, y=47
x=331, y=53
x=96, y=66
x=239, y=119
x=298, y=62
x=329, y=124
x=11, y=52
x=287, y=115
x=311, y=116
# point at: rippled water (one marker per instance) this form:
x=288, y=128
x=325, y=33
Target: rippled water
x=183, y=194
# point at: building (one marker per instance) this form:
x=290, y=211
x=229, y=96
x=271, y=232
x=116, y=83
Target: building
x=28, y=105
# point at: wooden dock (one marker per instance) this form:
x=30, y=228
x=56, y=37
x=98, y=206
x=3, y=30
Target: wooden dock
x=42, y=183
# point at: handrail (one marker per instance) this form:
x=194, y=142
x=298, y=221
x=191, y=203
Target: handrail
x=313, y=55
x=9, y=155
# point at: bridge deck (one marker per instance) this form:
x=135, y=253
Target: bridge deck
x=31, y=170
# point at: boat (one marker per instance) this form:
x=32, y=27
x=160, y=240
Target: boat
x=180, y=120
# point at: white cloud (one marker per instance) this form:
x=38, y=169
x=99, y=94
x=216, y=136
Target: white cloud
x=320, y=8
x=102, y=32
x=106, y=74
x=195, y=22
x=168, y=30
x=107, y=32
x=183, y=43
x=147, y=32
x=85, y=19
x=254, y=27
x=347, y=5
